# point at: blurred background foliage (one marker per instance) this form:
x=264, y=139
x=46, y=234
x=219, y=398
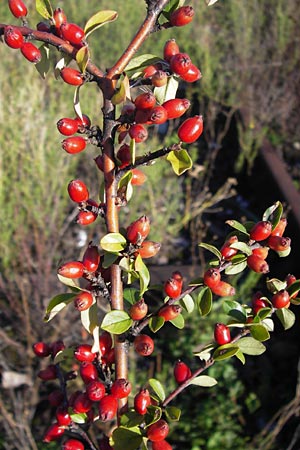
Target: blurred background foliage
x=249, y=55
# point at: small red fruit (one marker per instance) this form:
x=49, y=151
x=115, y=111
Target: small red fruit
x=176, y=107
x=67, y=126
x=62, y=416
x=74, y=144
x=86, y=218
x=41, y=349
x=78, y=191
x=109, y=358
x=82, y=404
x=138, y=177
x=278, y=243
x=159, y=78
x=108, y=407
x=138, y=310
x=193, y=74
x=72, y=444
x=138, y=230
x=53, y=433
x=149, y=71
x=73, y=269
x=88, y=372
x=91, y=258
x=105, y=342
x=227, y=251
x=143, y=345
x=138, y=132
x=281, y=299
x=191, y=129
x=223, y=289
x=180, y=63
x=161, y=445
x=212, y=277
x=95, y=390
x=258, y=303
x=262, y=252
x=171, y=48
x=13, y=37
x=148, y=249
x=141, y=401
x=145, y=101
x=290, y=279
x=72, y=33
x=56, y=347
x=182, y=372
x=17, y=8
x=49, y=373
x=31, y=52
x=120, y=388
x=173, y=286
x=158, y=431
x=169, y=312
x=261, y=230
x=222, y=334
x=182, y=16
x=84, y=352
x=280, y=228
x=157, y=115
x=55, y=398
x=59, y=17
x=43, y=26
x=71, y=76
x=257, y=264
x=124, y=155
x=84, y=123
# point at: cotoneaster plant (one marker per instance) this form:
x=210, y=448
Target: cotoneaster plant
x=137, y=92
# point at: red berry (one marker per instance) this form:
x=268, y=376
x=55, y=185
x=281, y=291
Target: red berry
x=138, y=132
x=72, y=444
x=31, y=52
x=74, y=144
x=281, y=299
x=191, y=129
x=120, y=388
x=84, y=123
x=86, y=218
x=57, y=347
x=157, y=115
x=212, y=277
x=108, y=407
x=82, y=404
x=84, y=352
x=49, y=373
x=41, y=349
x=59, y=17
x=138, y=230
x=143, y=345
x=169, y=312
x=173, y=286
x=180, y=63
x=138, y=310
x=148, y=249
x=141, y=401
x=13, y=37
x=171, y=48
x=78, y=191
x=67, y=126
x=158, y=431
x=262, y=252
x=223, y=289
x=280, y=228
x=182, y=16
x=149, y=71
x=278, y=243
x=145, y=101
x=290, y=279
x=159, y=78
x=193, y=74
x=73, y=269
x=257, y=264
x=176, y=107
x=91, y=258
x=17, y=8
x=124, y=155
x=105, y=342
x=72, y=33
x=88, y=372
x=222, y=334
x=161, y=445
x=53, y=433
x=182, y=372
x=227, y=251
x=95, y=390
x=109, y=358
x=71, y=76
x=258, y=303
x=138, y=177
x=261, y=230
x=62, y=416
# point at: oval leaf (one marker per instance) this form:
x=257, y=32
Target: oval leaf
x=180, y=161
x=236, y=268
x=187, y=302
x=44, y=8
x=286, y=317
x=270, y=211
x=243, y=247
x=122, y=93
x=126, y=438
x=212, y=249
x=82, y=58
x=116, y=322
x=44, y=65
x=113, y=242
x=56, y=304
x=89, y=318
x=259, y=332
x=237, y=226
x=155, y=323
x=225, y=351
x=173, y=413
x=205, y=301
x=79, y=417
x=166, y=92
x=178, y=322
x=157, y=388
x=204, y=381
x=143, y=273
x=251, y=346
x=99, y=19
x=294, y=287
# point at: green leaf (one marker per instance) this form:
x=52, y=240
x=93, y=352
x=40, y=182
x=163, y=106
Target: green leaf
x=178, y=322
x=76, y=102
x=155, y=323
x=166, y=92
x=286, y=317
x=212, y=249
x=173, y=413
x=131, y=419
x=187, y=302
x=89, y=318
x=259, y=332
x=294, y=287
x=56, y=304
x=205, y=353
x=68, y=281
x=157, y=388
x=235, y=310
x=82, y=58
x=124, y=438
x=225, y=351
x=116, y=322
x=125, y=186
x=79, y=417
x=243, y=247
x=295, y=301
x=109, y=259
x=269, y=324
x=144, y=274
x=236, y=268
x=263, y=313
x=44, y=8
x=113, y=242
x=180, y=161
x=240, y=355
x=142, y=61
x=131, y=295
x=44, y=65
x=211, y=2
x=274, y=285
x=237, y=226
x=122, y=92
x=63, y=355
x=204, y=381
x=154, y=413
x=270, y=211
x=132, y=150
x=251, y=346
x=284, y=253
x=99, y=19
x=204, y=301
x=171, y=6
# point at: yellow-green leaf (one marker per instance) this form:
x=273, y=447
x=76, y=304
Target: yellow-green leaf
x=82, y=58
x=113, y=242
x=44, y=8
x=56, y=304
x=180, y=161
x=99, y=19
x=123, y=92
x=116, y=322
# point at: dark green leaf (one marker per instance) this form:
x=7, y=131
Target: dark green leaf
x=131, y=419
x=131, y=295
x=82, y=58
x=259, y=332
x=109, y=259
x=269, y=212
x=225, y=351
x=155, y=323
x=286, y=317
x=173, y=413
x=240, y=356
x=124, y=438
x=294, y=287
x=212, y=249
x=242, y=246
x=116, y=322
x=44, y=65
x=251, y=346
x=204, y=301
x=263, y=313
x=274, y=285
x=154, y=413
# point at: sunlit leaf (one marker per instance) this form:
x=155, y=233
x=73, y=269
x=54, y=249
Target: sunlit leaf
x=205, y=353
x=123, y=91
x=131, y=295
x=211, y=2
x=180, y=161
x=68, y=282
x=187, y=302
x=212, y=249
x=286, y=317
x=236, y=268
x=44, y=8
x=240, y=355
x=173, y=413
x=99, y=19
x=178, y=322
x=142, y=61
x=116, y=322
x=125, y=186
x=237, y=226
x=225, y=351
x=79, y=417
x=166, y=92
x=293, y=288
x=204, y=381
x=251, y=346
x=259, y=332
x=242, y=246
x=144, y=274
x=82, y=58
x=76, y=102
x=274, y=285
x=89, y=318
x=56, y=304
x=155, y=323
x=157, y=388
x=271, y=210
x=113, y=242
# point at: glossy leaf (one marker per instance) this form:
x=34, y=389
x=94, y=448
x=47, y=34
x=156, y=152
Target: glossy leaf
x=155, y=323
x=89, y=318
x=116, y=322
x=144, y=274
x=205, y=301
x=237, y=226
x=178, y=322
x=276, y=210
x=180, y=161
x=242, y=246
x=68, y=281
x=113, y=242
x=44, y=65
x=251, y=346
x=236, y=268
x=82, y=58
x=212, y=249
x=142, y=61
x=125, y=187
x=259, y=332
x=56, y=304
x=187, y=302
x=44, y=8
x=79, y=417
x=263, y=313
x=225, y=351
x=269, y=324
x=131, y=419
x=240, y=355
x=131, y=295
x=109, y=259
x=171, y=6
x=286, y=317
x=154, y=413
x=236, y=310
x=274, y=285
x=205, y=353
x=126, y=438
x=157, y=388
x=204, y=381
x=294, y=287
x=166, y=92
x=211, y=2
x=122, y=92
x=172, y=413
x=98, y=20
